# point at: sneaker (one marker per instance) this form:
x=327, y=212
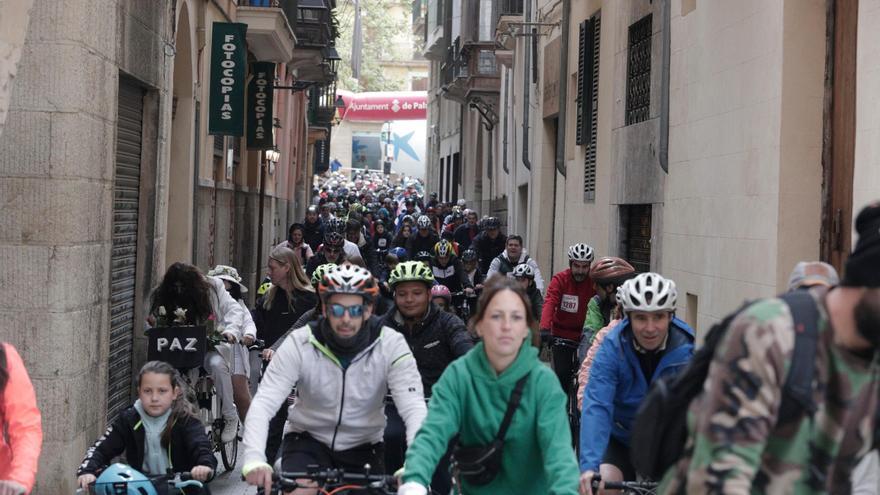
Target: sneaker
x=230, y=428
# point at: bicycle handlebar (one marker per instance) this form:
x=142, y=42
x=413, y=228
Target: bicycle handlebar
x=644, y=487
x=288, y=480
x=182, y=479
x=559, y=341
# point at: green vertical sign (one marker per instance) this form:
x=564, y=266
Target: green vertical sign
x=259, y=107
x=228, y=64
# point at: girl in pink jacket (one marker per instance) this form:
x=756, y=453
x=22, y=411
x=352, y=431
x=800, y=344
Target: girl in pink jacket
x=20, y=420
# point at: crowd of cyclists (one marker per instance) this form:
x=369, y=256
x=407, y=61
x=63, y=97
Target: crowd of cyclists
x=409, y=336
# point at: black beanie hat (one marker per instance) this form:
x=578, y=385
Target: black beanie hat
x=863, y=265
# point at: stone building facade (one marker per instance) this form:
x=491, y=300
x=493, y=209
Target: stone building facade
x=715, y=142
x=108, y=175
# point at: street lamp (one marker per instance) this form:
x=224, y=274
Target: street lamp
x=331, y=58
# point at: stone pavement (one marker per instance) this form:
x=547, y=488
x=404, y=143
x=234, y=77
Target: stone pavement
x=230, y=483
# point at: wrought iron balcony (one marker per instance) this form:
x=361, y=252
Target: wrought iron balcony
x=322, y=104
x=470, y=69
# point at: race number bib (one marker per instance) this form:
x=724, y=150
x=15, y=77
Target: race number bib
x=383, y=242
x=569, y=303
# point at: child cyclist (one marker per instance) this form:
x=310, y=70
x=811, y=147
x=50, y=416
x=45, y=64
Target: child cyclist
x=160, y=432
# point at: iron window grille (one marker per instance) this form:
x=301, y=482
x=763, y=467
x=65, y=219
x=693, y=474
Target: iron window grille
x=638, y=83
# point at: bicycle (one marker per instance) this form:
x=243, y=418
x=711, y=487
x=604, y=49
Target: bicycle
x=188, y=358
x=463, y=303
x=334, y=481
x=574, y=415
x=165, y=484
x=626, y=487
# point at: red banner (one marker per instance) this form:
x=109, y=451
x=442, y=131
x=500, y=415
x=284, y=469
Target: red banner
x=381, y=107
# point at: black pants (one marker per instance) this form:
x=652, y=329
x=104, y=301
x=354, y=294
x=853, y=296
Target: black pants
x=395, y=452
x=562, y=364
x=301, y=450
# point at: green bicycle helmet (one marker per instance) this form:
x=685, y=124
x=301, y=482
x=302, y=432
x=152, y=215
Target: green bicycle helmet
x=319, y=273
x=411, y=271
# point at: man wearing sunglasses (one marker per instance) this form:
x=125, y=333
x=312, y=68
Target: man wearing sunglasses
x=343, y=364
x=331, y=252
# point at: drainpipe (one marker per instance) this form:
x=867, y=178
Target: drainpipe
x=527, y=57
x=563, y=89
x=258, y=276
x=664, y=95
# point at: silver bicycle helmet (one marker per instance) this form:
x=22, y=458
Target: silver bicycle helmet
x=648, y=292
x=580, y=252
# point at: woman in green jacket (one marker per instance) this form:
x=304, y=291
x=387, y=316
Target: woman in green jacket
x=472, y=396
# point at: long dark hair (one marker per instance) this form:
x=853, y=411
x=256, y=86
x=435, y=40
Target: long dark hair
x=183, y=286
x=181, y=408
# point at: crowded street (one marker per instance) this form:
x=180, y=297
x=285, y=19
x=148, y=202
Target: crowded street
x=439, y=247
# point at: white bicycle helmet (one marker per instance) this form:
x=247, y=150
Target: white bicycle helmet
x=523, y=270
x=648, y=292
x=423, y=222
x=580, y=252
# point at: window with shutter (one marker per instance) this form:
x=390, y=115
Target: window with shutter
x=591, y=106
x=581, y=75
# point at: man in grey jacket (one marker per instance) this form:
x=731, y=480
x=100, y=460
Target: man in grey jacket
x=342, y=365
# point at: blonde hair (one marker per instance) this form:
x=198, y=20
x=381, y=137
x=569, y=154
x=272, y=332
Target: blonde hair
x=296, y=277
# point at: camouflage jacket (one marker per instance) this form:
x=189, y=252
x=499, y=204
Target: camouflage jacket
x=735, y=445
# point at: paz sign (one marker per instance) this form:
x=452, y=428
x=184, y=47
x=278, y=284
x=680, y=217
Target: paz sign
x=259, y=114
x=228, y=64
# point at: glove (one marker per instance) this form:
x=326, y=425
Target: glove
x=545, y=336
x=412, y=488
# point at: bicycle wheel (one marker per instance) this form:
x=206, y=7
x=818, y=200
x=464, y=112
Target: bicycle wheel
x=229, y=454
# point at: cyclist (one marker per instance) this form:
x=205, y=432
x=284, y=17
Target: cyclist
x=331, y=252
x=471, y=400
x=565, y=308
x=441, y=296
x=447, y=269
x=424, y=238
x=296, y=243
x=469, y=262
x=512, y=256
x=409, y=211
x=340, y=226
x=200, y=297
x=313, y=228
x=465, y=233
x=525, y=276
x=160, y=432
x=382, y=238
x=342, y=366
x=608, y=273
x=21, y=424
x=489, y=243
x=354, y=233
x=239, y=352
x=736, y=440
x=435, y=337
x=402, y=237
x=649, y=343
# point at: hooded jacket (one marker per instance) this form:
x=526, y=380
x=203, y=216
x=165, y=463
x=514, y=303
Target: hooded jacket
x=502, y=264
x=22, y=424
x=617, y=386
x=439, y=339
x=339, y=407
x=470, y=400
x=189, y=445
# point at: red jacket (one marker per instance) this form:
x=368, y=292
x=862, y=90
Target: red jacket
x=20, y=446
x=565, y=306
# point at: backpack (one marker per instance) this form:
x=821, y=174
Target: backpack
x=660, y=428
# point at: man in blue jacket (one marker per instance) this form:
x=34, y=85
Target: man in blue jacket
x=649, y=343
